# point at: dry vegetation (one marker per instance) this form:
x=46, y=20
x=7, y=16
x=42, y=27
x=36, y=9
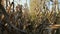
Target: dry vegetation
x=25, y=21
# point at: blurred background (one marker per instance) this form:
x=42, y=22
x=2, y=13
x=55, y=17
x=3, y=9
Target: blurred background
x=29, y=16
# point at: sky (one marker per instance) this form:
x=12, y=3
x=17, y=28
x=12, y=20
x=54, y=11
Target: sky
x=21, y=2
x=50, y=5
x=28, y=2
